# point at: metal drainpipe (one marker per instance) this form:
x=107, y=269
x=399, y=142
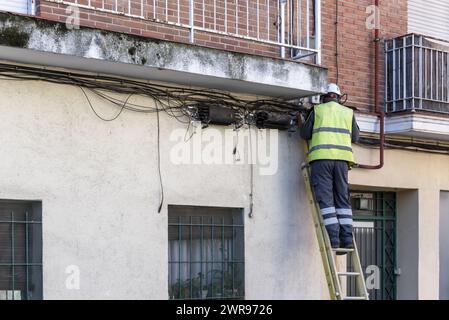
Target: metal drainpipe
x=191, y=22
x=290, y=26
x=282, y=17
x=32, y=8
x=317, y=19
x=377, y=108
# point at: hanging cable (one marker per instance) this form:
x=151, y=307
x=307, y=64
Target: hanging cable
x=251, y=182
x=96, y=113
x=179, y=103
x=161, y=186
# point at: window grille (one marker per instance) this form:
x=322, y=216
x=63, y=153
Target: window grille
x=20, y=250
x=417, y=69
x=206, y=253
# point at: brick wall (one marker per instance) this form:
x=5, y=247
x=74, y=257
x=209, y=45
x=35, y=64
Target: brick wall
x=355, y=40
x=355, y=45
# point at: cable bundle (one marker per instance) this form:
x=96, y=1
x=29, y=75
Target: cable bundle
x=179, y=103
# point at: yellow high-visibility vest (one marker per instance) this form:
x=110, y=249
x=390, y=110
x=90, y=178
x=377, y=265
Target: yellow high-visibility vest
x=332, y=131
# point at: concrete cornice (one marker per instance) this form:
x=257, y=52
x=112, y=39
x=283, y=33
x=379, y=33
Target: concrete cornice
x=411, y=124
x=40, y=42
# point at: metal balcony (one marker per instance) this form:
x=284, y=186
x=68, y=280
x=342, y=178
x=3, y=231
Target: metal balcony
x=417, y=74
x=292, y=25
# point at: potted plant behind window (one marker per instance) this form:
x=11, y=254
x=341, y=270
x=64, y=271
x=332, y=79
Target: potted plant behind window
x=203, y=288
x=230, y=285
x=200, y=286
x=176, y=289
x=191, y=288
x=216, y=276
x=204, y=291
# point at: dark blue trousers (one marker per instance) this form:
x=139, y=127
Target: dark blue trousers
x=330, y=184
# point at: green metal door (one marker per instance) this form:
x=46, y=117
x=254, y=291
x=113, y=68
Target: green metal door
x=375, y=233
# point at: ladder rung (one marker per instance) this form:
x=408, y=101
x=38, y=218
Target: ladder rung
x=342, y=250
x=355, y=298
x=348, y=273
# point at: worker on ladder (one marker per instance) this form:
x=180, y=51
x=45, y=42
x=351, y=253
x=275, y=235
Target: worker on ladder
x=332, y=128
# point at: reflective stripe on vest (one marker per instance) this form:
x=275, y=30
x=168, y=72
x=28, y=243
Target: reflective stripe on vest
x=329, y=146
x=332, y=130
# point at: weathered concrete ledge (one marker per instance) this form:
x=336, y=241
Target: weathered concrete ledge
x=418, y=125
x=37, y=41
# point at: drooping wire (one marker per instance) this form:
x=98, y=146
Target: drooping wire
x=180, y=98
x=161, y=186
x=235, y=150
x=96, y=113
x=251, y=182
x=187, y=138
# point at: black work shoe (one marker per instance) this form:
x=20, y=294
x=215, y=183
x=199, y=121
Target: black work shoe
x=335, y=245
x=348, y=245
x=345, y=245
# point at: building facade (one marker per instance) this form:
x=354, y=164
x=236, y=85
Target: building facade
x=149, y=148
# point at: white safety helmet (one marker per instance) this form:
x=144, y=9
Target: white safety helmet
x=333, y=88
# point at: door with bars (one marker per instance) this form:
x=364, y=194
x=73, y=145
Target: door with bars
x=375, y=235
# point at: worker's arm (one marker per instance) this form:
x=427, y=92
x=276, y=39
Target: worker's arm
x=355, y=130
x=307, y=127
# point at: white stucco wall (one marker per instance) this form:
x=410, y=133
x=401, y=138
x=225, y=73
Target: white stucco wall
x=99, y=189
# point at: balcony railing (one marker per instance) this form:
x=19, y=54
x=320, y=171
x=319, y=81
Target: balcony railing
x=417, y=74
x=292, y=25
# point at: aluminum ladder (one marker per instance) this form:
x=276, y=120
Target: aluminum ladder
x=328, y=255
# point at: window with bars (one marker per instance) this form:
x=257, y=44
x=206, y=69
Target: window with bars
x=206, y=253
x=20, y=250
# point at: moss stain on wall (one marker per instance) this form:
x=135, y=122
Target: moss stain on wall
x=14, y=37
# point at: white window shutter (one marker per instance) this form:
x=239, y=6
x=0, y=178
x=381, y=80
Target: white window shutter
x=429, y=18
x=19, y=6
